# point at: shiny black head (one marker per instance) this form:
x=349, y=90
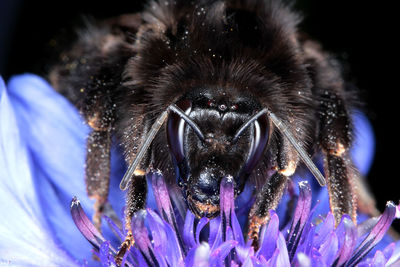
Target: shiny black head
x=220, y=135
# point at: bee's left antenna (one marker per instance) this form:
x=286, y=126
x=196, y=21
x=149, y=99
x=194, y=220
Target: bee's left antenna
x=296, y=144
x=142, y=150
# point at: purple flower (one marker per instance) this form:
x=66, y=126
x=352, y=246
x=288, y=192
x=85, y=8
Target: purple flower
x=308, y=240
x=42, y=150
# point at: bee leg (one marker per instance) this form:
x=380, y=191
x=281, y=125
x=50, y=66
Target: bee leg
x=135, y=201
x=98, y=171
x=268, y=198
x=341, y=186
x=335, y=130
x=335, y=140
x=272, y=191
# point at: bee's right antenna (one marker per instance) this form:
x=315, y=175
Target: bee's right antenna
x=142, y=150
x=149, y=139
x=302, y=153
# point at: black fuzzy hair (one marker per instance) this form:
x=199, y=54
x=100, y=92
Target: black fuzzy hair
x=130, y=69
x=243, y=47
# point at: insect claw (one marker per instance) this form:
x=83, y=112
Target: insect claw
x=253, y=233
x=125, y=246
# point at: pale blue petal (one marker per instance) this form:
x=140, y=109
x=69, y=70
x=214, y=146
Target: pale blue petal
x=56, y=138
x=54, y=132
x=364, y=145
x=25, y=238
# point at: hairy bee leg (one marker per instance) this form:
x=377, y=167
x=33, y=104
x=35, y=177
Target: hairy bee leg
x=135, y=201
x=341, y=187
x=335, y=129
x=335, y=140
x=272, y=191
x=268, y=198
x=98, y=171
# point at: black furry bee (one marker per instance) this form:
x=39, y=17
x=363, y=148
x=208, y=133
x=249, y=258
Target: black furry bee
x=205, y=89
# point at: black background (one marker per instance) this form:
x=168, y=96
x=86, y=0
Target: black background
x=361, y=34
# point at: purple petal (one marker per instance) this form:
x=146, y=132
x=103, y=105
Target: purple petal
x=229, y=236
x=303, y=204
x=226, y=192
x=105, y=255
x=269, y=237
x=156, y=226
x=118, y=232
x=379, y=259
x=395, y=257
x=259, y=262
x=219, y=254
x=248, y=263
x=230, y=226
x=236, y=228
x=388, y=251
x=164, y=203
x=280, y=256
x=203, y=222
x=142, y=240
x=376, y=234
x=138, y=256
x=218, y=240
x=324, y=229
x=226, y=202
x=329, y=249
x=300, y=218
x=188, y=230
x=366, y=226
x=347, y=234
x=167, y=243
x=84, y=225
x=215, y=232
x=316, y=258
x=189, y=259
x=244, y=253
x=307, y=238
x=307, y=243
x=162, y=196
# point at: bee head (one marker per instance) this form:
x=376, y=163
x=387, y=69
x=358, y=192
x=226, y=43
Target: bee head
x=218, y=135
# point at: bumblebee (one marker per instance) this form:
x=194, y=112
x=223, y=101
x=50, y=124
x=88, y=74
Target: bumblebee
x=205, y=89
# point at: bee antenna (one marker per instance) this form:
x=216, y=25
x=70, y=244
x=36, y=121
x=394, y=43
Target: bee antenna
x=302, y=153
x=150, y=137
x=142, y=150
x=247, y=124
x=189, y=121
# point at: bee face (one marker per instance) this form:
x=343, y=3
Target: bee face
x=227, y=147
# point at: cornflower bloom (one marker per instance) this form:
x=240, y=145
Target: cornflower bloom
x=42, y=150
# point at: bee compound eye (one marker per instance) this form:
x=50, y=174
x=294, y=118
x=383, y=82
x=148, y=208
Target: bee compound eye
x=260, y=140
x=175, y=131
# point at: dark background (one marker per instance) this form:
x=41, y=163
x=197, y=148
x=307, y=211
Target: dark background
x=361, y=34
